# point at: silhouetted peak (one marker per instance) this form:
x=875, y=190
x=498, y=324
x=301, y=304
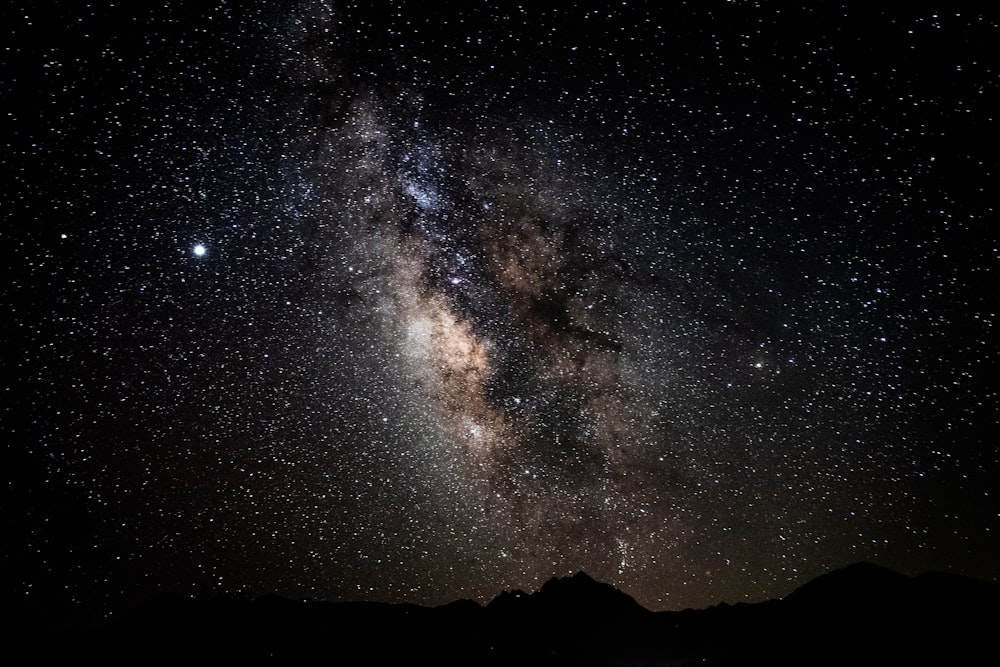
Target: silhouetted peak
x=463, y=605
x=580, y=580
x=858, y=583
x=507, y=600
x=574, y=595
x=579, y=585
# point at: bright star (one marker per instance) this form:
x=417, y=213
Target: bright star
x=199, y=250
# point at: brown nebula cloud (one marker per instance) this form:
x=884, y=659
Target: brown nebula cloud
x=539, y=259
x=451, y=366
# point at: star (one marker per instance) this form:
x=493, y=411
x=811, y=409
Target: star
x=199, y=250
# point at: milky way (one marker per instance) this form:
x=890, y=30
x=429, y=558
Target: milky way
x=358, y=302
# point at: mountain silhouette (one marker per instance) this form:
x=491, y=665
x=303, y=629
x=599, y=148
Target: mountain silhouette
x=576, y=596
x=858, y=584
x=860, y=615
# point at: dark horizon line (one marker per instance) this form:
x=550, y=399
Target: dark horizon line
x=240, y=596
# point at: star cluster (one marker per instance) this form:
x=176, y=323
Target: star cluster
x=401, y=302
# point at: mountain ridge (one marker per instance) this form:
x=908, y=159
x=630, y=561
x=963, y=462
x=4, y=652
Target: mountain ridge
x=861, y=614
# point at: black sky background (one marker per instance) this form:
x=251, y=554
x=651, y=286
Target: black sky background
x=697, y=298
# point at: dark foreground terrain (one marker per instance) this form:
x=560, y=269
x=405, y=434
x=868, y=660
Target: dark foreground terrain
x=861, y=615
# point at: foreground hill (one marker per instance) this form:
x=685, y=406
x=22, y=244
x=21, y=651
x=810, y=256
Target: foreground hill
x=860, y=615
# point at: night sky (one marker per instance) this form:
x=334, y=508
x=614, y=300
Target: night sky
x=419, y=301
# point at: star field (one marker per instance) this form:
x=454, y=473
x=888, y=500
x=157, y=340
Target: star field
x=400, y=302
